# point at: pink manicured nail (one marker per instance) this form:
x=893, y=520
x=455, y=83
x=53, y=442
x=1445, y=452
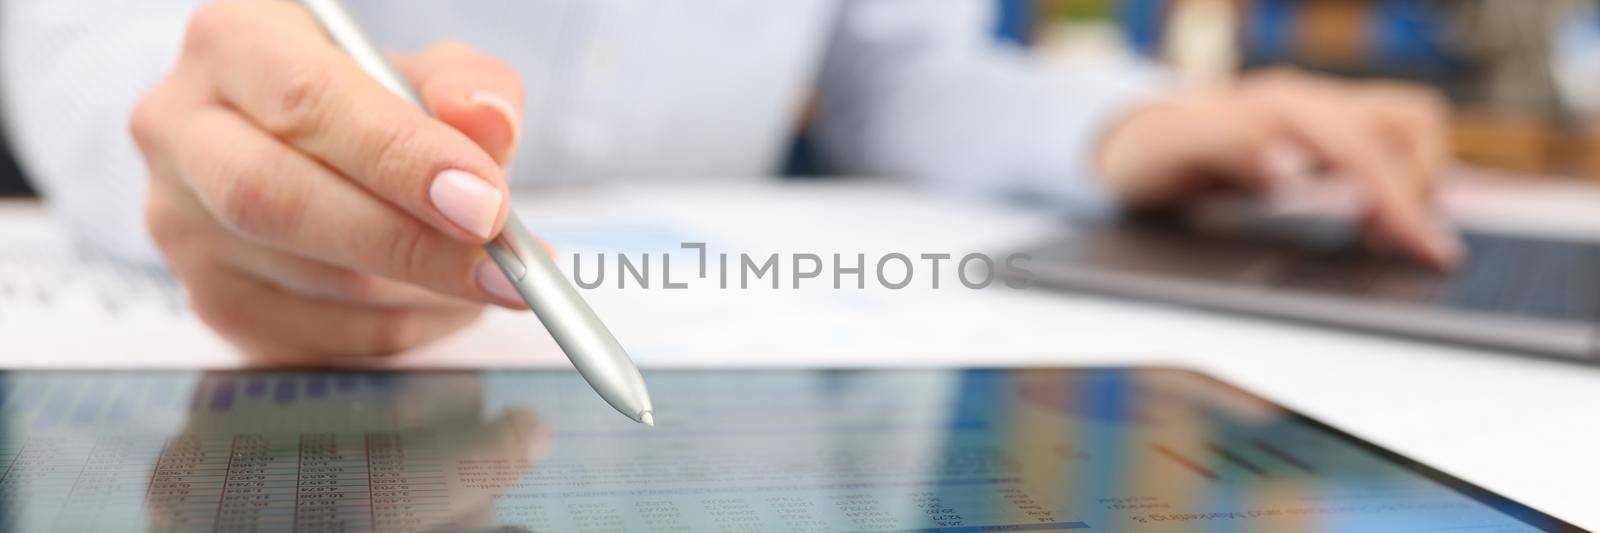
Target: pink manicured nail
x=494, y=282
x=467, y=200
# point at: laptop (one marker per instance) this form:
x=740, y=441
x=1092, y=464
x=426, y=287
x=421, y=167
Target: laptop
x=1524, y=294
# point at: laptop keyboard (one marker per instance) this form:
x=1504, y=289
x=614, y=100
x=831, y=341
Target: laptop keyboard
x=1503, y=275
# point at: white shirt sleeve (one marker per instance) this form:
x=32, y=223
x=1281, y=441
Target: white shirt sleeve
x=70, y=73
x=921, y=89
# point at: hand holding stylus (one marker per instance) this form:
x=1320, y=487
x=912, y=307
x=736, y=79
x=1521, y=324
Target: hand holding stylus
x=314, y=207
x=596, y=354
x=309, y=212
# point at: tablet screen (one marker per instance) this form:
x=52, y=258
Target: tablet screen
x=781, y=450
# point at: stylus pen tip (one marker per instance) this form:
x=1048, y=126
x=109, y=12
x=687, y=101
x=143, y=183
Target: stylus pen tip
x=647, y=418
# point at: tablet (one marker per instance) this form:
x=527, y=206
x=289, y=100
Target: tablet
x=1105, y=449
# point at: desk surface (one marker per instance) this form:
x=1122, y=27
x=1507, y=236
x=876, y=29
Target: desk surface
x=1518, y=425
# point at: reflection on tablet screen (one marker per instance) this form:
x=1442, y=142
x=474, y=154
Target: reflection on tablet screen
x=947, y=450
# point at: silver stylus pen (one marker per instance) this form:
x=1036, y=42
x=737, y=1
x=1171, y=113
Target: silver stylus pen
x=586, y=341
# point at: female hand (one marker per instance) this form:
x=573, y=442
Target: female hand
x=310, y=212
x=1389, y=138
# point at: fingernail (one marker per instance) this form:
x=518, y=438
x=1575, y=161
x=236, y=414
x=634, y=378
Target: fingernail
x=467, y=200
x=501, y=104
x=493, y=281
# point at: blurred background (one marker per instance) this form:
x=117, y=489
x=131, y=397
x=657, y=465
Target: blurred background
x=1523, y=76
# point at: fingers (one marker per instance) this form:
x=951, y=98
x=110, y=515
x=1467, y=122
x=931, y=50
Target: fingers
x=1399, y=211
x=276, y=327
x=1396, y=186
x=271, y=63
x=271, y=324
x=1416, y=120
x=266, y=316
x=308, y=210
x=268, y=193
x=476, y=94
x=318, y=280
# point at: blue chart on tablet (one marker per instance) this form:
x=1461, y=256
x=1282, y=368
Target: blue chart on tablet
x=904, y=450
